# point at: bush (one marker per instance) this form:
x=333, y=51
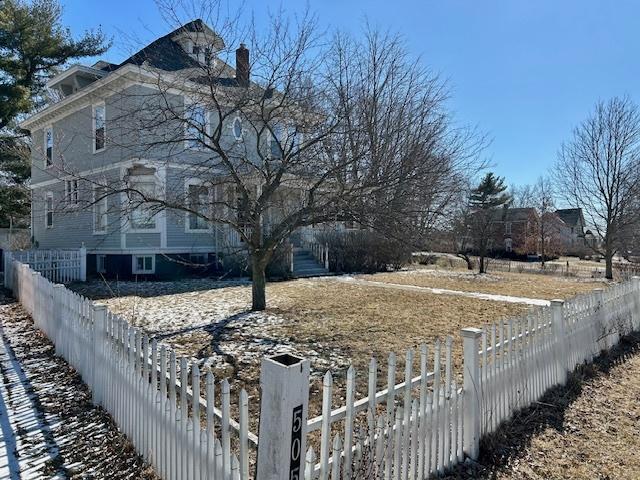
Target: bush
x=363, y=251
x=238, y=264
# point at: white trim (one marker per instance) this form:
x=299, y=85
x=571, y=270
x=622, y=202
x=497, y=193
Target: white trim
x=104, y=201
x=196, y=182
x=158, y=179
x=152, y=250
x=134, y=267
x=75, y=69
x=69, y=193
x=124, y=163
x=93, y=127
x=48, y=162
x=48, y=196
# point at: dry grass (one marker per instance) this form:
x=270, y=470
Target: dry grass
x=545, y=287
x=589, y=429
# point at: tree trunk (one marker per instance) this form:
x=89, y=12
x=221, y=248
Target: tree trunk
x=258, y=285
x=608, y=258
x=483, y=268
x=469, y=263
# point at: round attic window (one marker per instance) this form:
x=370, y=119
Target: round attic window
x=237, y=128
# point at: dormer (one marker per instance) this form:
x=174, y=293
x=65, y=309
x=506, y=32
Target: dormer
x=201, y=43
x=75, y=78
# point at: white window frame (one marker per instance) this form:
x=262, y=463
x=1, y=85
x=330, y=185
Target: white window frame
x=48, y=209
x=134, y=265
x=102, y=202
x=507, y=228
x=94, y=107
x=156, y=219
x=203, y=256
x=207, y=126
x=197, y=182
x=48, y=162
x=508, y=244
x=71, y=195
x=103, y=268
x=237, y=118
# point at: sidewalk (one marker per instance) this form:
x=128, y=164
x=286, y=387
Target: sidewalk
x=48, y=425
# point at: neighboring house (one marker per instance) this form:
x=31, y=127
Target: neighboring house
x=83, y=140
x=515, y=230
x=574, y=233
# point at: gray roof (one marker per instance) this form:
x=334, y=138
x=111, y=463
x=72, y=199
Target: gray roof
x=514, y=214
x=571, y=216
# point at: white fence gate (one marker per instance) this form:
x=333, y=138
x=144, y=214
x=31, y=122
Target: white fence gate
x=410, y=430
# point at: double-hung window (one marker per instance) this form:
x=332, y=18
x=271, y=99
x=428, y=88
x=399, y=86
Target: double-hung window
x=276, y=140
x=71, y=192
x=197, y=127
x=199, y=202
x=99, y=209
x=48, y=209
x=507, y=228
x=143, y=189
x=99, y=128
x=48, y=147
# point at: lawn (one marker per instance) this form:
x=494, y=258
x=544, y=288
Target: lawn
x=332, y=323
x=546, y=287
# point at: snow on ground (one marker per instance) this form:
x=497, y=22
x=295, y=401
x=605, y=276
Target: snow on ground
x=48, y=426
x=444, y=291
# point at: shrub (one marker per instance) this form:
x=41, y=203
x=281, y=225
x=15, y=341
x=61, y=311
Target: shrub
x=363, y=251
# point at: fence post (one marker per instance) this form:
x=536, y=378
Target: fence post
x=636, y=300
x=99, y=321
x=58, y=312
x=83, y=263
x=557, y=320
x=602, y=329
x=284, y=383
x=326, y=256
x=471, y=363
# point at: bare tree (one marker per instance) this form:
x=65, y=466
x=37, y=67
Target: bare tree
x=550, y=239
x=303, y=131
x=598, y=170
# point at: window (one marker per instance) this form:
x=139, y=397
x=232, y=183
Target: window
x=48, y=209
x=507, y=228
x=71, y=191
x=237, y=128
x=48, y=147
x=99, y=209
x=101, y=263
x=98, y=128
x=198, y=258
x=144, y=264
x=508, y=244
x=142, y=213
x=198, y=201
x=197, y=127
x=196, y=50
x=275, y=145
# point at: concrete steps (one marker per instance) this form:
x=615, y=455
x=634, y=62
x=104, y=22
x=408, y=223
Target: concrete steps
x=305, y=265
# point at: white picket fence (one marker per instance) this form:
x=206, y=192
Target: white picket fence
x=59, y=266
x=409, y=430
x=141, y=384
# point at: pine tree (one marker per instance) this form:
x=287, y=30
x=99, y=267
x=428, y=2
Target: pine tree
x=484, y=201
x=34, y=45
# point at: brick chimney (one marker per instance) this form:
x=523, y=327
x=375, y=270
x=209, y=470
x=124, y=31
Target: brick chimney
x=242, y=66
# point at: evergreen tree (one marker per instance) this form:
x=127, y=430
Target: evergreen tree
x=484, y=202
x=34, y=45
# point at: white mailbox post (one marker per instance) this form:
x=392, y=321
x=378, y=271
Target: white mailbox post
x=284, y=381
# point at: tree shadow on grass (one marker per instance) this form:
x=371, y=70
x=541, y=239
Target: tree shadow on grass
x=513, y=437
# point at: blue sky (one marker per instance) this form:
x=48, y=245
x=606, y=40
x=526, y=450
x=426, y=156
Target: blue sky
x=524, y=72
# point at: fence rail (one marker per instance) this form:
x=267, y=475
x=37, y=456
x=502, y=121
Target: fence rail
x=153, y=396
x=411, y=429
x=59, y=266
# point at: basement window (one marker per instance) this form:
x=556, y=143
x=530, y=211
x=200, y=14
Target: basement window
x=144, y=264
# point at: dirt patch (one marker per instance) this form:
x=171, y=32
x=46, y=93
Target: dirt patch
x=588, y=429
x=545, y=287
